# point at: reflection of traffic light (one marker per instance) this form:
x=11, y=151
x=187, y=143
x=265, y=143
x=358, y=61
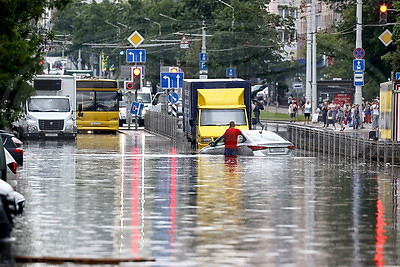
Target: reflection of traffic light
x=383, y=10
x=137, y=78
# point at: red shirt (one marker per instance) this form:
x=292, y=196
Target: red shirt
x=231, y=135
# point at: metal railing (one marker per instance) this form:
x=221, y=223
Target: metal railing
x=161, y=123
x=342, y=145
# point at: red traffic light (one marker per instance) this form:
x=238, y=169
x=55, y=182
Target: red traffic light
x=137, y=72
x=383, y=8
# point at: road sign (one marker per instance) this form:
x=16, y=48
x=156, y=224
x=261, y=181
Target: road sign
x=203, y=65
x=135, y=55
x=386, y=37
x=136, y=108
x=359, y=53
x=231, y=72
x=397, y=75
x=173, y=97
x=184, y=42
x=359, y=78
x=203, y=57
x=358, y=65
x=171, y=79
x=135, y=39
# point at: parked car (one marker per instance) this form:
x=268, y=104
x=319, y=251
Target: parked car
x=13, y=146
x=253, y=143
x=11, y=202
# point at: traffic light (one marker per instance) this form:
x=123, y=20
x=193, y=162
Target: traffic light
x=137, y=78
x=383, y=10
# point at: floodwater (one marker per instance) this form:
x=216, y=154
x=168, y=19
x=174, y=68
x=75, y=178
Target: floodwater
x=136, y=195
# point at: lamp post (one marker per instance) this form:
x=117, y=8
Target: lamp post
x=233, y=12
x=159, y=25
x=168, y=17
x=119, y=30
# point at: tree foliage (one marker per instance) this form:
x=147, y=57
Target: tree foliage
x=341, y=43
x=21, y=43
x=243, y=35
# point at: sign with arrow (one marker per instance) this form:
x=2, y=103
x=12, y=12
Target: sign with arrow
x=135, y=55
x=171, y=79
x=358, y=65
x=136, y=108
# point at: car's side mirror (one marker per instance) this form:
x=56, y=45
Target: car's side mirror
x=211, y=144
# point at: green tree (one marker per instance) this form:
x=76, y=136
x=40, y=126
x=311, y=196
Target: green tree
x=21, y=51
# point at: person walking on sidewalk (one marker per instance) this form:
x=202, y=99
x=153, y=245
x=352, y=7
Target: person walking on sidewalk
x=293, y=111
x=307, y=112
x=324, y=113
x=375, y=114
x=257, y=107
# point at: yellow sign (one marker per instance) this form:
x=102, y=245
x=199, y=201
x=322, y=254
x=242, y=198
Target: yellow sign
x=135, y=39
x=386, y=37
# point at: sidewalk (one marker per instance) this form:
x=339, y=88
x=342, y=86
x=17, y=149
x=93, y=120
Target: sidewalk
x=362, y=131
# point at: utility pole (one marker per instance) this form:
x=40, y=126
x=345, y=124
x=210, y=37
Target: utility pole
x=203, y=73
x=358, y=93
x=308, y=55
x=314, y=92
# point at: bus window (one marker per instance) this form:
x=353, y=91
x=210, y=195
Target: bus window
x=107, y=101
x=87, y=99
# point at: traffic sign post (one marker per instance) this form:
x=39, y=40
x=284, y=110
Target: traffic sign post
x=358, y=65
x=231, y=72
x=173, y=97
x=135, y=55
x=203, y=57
x=171, y=79
x=135, y=39
x=359, y=78
x=359, y=53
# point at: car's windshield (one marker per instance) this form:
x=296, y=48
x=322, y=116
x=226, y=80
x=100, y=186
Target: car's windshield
x=264, y=136
x=146, y=97
x=49, y=105
x=210, y=117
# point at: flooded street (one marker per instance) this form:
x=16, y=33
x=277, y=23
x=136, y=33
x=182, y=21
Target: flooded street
x=137, y=195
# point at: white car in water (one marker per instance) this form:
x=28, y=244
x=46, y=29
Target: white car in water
x=253, y=143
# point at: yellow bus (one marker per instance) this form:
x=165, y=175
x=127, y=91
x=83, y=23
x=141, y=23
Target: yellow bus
x=97, y=103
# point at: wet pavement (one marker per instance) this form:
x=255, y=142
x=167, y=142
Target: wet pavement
x=137, y=195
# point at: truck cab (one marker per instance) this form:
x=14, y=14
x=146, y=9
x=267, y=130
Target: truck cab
x=51, y=112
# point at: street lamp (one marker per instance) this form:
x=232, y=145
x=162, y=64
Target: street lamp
x=119, y=30
x=159, y=25
x=233, y=12
x=168, y=17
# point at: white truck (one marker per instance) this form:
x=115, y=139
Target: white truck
x=51, y=112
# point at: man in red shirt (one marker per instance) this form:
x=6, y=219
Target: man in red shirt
x=230, y=136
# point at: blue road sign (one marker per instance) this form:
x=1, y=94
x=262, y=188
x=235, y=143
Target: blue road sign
x=203, y=57
x=397, y=75
x=358, y=65
x=359, y=53
x=136, y=108
x=203, y=65
x=359, y=78
x=173, y=97
x=231, y=72
x=135, y=55
x=171, y=79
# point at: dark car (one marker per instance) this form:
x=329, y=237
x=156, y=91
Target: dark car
x=13, y=146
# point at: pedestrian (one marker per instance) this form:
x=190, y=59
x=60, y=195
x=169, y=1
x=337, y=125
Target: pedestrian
x=324, y=113
x=307, y=112
x=367, y=113
x=356, y=116
x=231, y=136
x=266, y=100
x=340, y=117
x=293, y=111
x=330, y=118
x=375, y=114
x=257, y=107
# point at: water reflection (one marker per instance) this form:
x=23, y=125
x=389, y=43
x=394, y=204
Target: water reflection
x=138, y=195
